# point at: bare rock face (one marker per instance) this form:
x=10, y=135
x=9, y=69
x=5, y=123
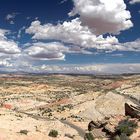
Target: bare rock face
x=132, y=111
x=110, y=104
x=104, y=106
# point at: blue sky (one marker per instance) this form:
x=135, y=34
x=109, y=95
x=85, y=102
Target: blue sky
x=42, y=35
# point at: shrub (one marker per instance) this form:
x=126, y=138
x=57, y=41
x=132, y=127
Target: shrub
x=89, y=136
x=53, y=133
x=25, y=132
x=126, y=127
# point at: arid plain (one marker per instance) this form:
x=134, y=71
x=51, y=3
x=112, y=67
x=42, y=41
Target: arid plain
x=33, y=105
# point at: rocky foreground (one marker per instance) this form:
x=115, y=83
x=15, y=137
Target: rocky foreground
x=62, y=107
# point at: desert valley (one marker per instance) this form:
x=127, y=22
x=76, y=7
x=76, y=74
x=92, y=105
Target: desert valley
x=32, y=106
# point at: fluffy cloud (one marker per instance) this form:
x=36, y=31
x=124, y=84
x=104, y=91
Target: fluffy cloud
x=16, y=63
x=83, y=33
x=5, y=63
x=80, y=37
x=103, y=16
x=134, y=1
x=73, y=32
x=132, y=46
x=52, y=50
x=7, y=46
x=70, y=32
x=47, y=51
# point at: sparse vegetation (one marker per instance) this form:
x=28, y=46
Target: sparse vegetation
x=66, y=99
x=88, y=136
x=126, y=127
x=53, y=133
x=25, y=132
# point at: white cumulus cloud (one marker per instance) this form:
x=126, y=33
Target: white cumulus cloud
x=73, y=32
x=103, y=16
x=70, y=32
x=7, y=46
x=47, y=51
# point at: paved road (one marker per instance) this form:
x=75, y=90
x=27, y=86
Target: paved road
x=80, y=131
